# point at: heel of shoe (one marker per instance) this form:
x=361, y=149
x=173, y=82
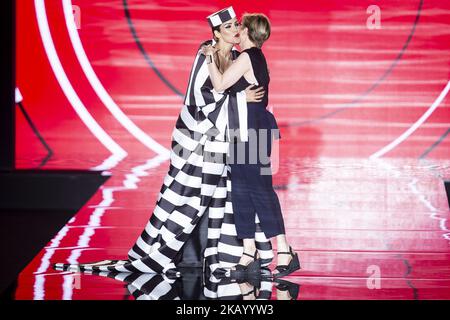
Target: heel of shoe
x=295, y=262
x=291, y=288
x=285, y=270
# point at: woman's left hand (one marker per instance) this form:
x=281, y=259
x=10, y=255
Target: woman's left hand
x=254, y=95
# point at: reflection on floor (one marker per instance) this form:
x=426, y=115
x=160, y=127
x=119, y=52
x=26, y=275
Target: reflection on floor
x=193, y=284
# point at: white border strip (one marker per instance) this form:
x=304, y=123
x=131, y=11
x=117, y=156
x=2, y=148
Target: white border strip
x=100, y=89
x=117, y=152
x=414, y=127
x=129, y=183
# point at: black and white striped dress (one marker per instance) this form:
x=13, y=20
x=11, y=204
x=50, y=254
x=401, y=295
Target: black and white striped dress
x=197, y=183
x=154, y=286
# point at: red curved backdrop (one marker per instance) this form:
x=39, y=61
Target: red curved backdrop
x=363, y=111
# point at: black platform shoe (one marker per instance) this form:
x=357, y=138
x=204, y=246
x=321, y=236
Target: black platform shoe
x=251, y=270
x=291, y=288
x=284, y=270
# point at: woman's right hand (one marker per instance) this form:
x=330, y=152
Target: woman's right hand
x=208, y=50
x=254, y=95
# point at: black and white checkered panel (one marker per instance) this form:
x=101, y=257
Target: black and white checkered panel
x=217, y=18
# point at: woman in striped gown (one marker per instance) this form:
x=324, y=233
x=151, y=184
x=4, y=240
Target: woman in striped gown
x=198, y=181
x=253, y=195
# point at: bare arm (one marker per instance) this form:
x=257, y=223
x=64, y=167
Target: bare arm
x=231, y=75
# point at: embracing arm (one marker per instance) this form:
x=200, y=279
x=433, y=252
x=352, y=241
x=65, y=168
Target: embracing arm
x=231, y=75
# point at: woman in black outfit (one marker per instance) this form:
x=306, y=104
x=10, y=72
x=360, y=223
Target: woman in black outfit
x=252, y=191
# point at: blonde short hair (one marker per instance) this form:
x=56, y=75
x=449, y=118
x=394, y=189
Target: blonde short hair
x=258, y=26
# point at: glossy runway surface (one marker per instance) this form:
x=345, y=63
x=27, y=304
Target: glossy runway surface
x=364, y=117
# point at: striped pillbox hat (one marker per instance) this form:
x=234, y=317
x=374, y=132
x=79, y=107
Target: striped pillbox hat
x=219, y=17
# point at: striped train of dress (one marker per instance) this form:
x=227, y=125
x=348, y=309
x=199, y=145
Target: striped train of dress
x=145, y=286
x=198, y=183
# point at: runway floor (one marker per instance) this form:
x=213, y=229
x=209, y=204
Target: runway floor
x=364, y=118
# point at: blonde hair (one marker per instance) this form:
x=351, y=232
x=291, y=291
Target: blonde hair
x=258, y=26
